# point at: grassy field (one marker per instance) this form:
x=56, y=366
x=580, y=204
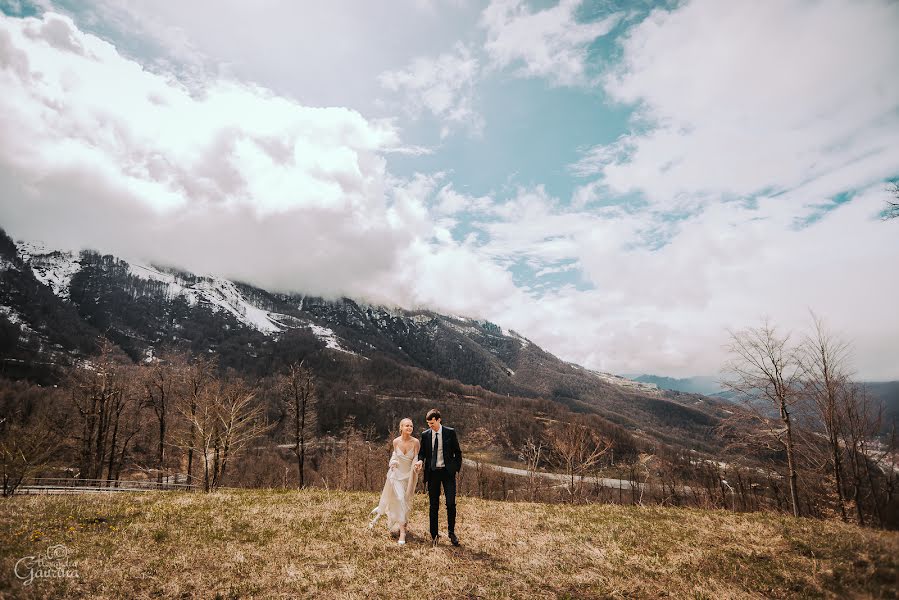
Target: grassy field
x=316, y=543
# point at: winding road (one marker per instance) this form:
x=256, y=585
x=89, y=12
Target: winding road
x=623, y=484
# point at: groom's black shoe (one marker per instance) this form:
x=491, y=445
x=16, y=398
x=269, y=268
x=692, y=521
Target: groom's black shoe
x=454, y=539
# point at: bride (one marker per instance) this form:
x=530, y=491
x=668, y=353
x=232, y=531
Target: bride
x=396, y=499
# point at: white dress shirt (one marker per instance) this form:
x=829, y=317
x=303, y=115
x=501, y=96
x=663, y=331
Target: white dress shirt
x=438, y=441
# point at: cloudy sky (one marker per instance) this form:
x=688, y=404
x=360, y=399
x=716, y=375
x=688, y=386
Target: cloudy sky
x=621, y=182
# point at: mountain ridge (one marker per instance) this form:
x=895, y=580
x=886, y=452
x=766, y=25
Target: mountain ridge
x=145, y=309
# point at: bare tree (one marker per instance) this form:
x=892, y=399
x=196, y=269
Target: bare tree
x=578, y=449
x=160, y=382
x=297, y=393
x=888, y=457
x=224, y=419
x=482, y=439
x=371, y=473
x=352, y=438
x=643, y=462
x=27, y=446
x=127, y=421
x=862, y=417
x=198, y=376
x=531, y=453
x=825, y=360
x=202, y=418
x=765, y=372
x=96, y=391
x=241, y=420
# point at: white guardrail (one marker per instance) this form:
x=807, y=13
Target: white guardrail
x=67, y=485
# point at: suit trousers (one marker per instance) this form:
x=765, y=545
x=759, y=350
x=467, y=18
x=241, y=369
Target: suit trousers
x=447, y=479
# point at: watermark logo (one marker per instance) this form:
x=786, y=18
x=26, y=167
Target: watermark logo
x=55, y=563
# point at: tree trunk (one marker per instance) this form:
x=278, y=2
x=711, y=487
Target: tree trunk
x=190, y=446
x=874, y=500
x=791, y=460
x=161, y=440
x=115, y=433
x=302, y=463
x=837, y=473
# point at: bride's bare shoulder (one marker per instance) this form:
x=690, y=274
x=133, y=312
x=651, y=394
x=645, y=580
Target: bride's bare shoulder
x=396, y=441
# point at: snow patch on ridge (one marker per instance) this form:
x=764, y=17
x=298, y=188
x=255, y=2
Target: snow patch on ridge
x=16, y=318
x=220, y=294
x=512, y=334
x=12, y=315
x=53, y=268
x=330, y=339
x=225, y=295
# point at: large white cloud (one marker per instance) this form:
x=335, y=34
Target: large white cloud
x=668, y=306
x=322, y=53
x=226, y=177
x=73, y=98
x=785, y=106
x=743, y=97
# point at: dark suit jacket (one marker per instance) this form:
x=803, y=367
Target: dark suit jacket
x=452, y=453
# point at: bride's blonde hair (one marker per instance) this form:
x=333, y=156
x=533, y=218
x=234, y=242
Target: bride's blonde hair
x=403, y=420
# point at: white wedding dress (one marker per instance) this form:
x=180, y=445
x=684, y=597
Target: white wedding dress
x=399, y=489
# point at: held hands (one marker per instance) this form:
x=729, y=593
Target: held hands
x=417, y=465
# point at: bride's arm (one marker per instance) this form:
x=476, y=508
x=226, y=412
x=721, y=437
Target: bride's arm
x=418, y=462
x=394, y=461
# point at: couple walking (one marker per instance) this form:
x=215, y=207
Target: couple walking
x=439, y=454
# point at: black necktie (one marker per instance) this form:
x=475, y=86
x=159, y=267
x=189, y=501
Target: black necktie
x=434, y=453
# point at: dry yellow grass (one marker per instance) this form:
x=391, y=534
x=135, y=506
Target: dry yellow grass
x=316, y=543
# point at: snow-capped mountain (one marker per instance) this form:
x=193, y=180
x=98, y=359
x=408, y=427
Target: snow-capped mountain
x=223, y=295
x=55, y=269
x=58, y=302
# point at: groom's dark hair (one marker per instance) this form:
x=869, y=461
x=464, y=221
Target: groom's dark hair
x=433, y=414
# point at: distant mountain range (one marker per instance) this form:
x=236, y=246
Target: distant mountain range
x=705, y=385
x=54, y=305
x=886, y=392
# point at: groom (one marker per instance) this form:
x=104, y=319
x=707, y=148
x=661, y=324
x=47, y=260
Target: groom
x=442, y=459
